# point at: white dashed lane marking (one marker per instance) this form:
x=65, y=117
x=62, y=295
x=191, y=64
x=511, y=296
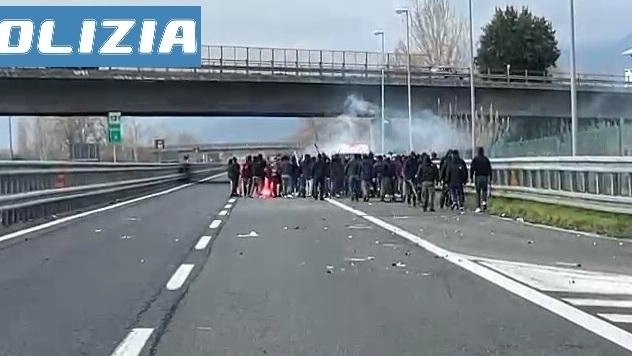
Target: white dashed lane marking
x=223, y=213
x=203, y=242
x=228, y=206
x=232, y=200
x=215, y=224
x=180, y=276
x=133, y=344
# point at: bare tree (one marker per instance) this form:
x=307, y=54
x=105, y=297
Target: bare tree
x=438, y=35
x=490, y=128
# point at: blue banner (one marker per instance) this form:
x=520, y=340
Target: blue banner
x=100, y=36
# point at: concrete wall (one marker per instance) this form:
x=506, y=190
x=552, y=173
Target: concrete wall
x=224, y=98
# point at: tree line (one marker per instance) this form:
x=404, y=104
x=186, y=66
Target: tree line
x=53, y=137
x=514, y=39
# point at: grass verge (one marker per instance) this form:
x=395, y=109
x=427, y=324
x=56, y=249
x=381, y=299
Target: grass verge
x=603, y=223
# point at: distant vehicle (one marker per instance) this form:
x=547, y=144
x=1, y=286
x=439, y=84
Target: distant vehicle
x=446, y=72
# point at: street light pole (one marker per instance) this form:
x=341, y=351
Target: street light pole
x=573, y=85
x=10, y=138
x=472, y=96
x=381, y=33
x=410, y=108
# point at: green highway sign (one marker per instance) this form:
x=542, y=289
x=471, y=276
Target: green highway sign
x=114, y=127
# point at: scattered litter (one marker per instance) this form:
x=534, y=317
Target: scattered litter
x=323, y=219
x=98, y=230
x=458, y=219
x=520, y=220
x=54, y=216
x=133, y=218
x=370, y=258
x=297, y=227
x=503, y=215
x=342, y=269
x=568, y=264
x=530, y=242
x=251, y=234
x=462, y=213
x=620, y=243
x=357, y=259
x=400, y=217
x=424, y=274
x=176, y=239
x=377, y=242
x=572, y=281
x=421, y=230
x=204, y=328
x=388, y=244
x=142, y=260
x=350, y=237
x=406, y=272
x=370, y=204
x=284, y=227
x=594, y=243
x=330, y=269
x=407, y=253
x=325, y=227
x=359, y=227
x=398, y=264
x=126, y=237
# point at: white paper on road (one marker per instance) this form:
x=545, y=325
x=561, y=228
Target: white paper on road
x=251, y=234
x=555, y=279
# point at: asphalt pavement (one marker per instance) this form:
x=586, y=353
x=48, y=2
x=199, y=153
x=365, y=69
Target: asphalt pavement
x=77, y=288
x=303, y=277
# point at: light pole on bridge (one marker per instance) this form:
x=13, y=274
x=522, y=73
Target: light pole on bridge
x=383, y=63
x=472, y=94
x=404, y=11
x=573, y=84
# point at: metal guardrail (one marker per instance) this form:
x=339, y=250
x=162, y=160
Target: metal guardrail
x=34, y=190
x=284, y=64
x=597, y=183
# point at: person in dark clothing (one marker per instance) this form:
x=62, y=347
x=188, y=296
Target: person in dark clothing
x=306, y=176
x=296, y=173
x=388, y=174
x=428, y=175
x=366, y=176
x=411, y=166
x=233, y=175
x=352, y=172
x=287, y=171
x=337, y=175
x=319, y=175
x=444, y=198
x=378, y=170
x=246, y=174
x=481, y=175
x=456, y=177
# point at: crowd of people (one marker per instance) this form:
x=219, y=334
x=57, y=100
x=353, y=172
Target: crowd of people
x=412, y=178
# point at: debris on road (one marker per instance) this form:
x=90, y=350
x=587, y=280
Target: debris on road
x=251, y=234
x=142, y=260
x=407, y=253
x=98, y=230
x=620, y=243
x=398, y=264
x=176, y=239
x=503, y=215
x=359, y=259
x=132, y=218
x=594, y=243
x=126, y=237
x=325, y=227
x=568, y=264
x=204, y=328
x=530, y=242
x=400, y=217
x=424, y=274
x=350, y=236
x=370, y=258
x=241, y=253
x=297, y=227
x=342, y=269
x=330, y=269
x=360, y=227
x=520, y=220
x=284, y=227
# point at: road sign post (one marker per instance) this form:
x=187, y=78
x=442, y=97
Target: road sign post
x=114, y=131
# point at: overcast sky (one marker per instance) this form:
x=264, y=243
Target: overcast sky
x=348, y=24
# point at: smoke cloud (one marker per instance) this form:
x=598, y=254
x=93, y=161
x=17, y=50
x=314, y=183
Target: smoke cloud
x=361, y=118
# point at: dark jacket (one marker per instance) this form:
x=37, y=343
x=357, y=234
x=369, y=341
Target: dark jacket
x=378, y=169
x=388, y=169
x=353, y=168
x=287, y=168
x=481, y=167
x=259, y=168
x=410, y=168
x=233, y=171
x=337, y=169
x=319, y=170
x=306, y=168
x=428, y=172
x=456, y=172
x=366, y=173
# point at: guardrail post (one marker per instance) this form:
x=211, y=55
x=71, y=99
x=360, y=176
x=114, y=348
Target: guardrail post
x=320, y=63
x=247, y=60
x=221, y=59
x=272, y=61
x=526, y=76
x=597, y=185
x=296, y=52
x=344, y=60
x=366, y=64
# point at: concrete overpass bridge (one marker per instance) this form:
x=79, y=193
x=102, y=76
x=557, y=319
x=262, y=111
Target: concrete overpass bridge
x=221, y=151
x=240, y=81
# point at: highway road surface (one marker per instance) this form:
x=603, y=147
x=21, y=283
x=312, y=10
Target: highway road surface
x=194, y=272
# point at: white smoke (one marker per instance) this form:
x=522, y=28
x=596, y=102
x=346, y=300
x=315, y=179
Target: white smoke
x=431, y=133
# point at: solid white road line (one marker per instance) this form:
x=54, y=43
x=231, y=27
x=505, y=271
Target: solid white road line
x=180, y=276
x=605, y=303
x=228, y=206
x=556, y=306
x=133, y=343
x=618, y=318
x=99, y=210
x=223, y=213
x=232, y=200
x=215, y=224
x=203, y=242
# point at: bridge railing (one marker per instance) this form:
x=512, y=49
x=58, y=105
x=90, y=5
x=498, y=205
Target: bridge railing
x=38, y=189
x=599, y=183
